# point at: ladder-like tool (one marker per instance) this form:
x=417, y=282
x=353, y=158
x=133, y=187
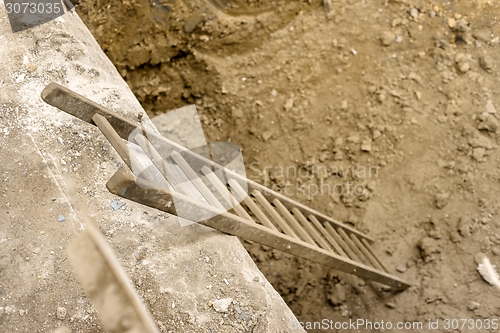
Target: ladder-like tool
x=277, y=222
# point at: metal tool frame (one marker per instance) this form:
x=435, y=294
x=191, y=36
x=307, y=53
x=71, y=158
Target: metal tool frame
x=286, y=225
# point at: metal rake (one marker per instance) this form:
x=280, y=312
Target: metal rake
x=278, y=222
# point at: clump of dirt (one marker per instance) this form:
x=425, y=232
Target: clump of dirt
x=382, y=114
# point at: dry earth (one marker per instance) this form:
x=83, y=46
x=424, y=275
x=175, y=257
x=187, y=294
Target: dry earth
x=408, y=89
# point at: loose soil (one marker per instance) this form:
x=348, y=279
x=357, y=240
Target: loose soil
x=392, y=102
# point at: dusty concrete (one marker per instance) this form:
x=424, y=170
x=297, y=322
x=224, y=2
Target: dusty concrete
x=53, y=172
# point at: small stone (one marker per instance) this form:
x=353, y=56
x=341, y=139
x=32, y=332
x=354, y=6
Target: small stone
x=61, y=218
x=436, y=233
x=371, y=185
x=344, y=105
x=490, y=107
x=274, y=93
x=382, y=97
x=401, y=268
x=486, y=63
x=376, y=134
x=288, y=104
x=61, y=313
x=396, y=22
x=442, y=199
x=414, y=13
x=488, y=122
x=463, y=227
x=366, y=145
x=337, y=295
x=442, y=118
x=429, y=247
x=473, y=306
x=455, y=237
x=481, y=141
x=256, y=279
x=20, y=78
x=387, y=38
x=222, y=305
x=344, y=310
x=390, y=305
x=482, y=35
x=496, y=251
x=464, y=66
x=31, y=67
x=478, y=154
x=452, y=23
x=116, y=204
x=193, y=21
x=330, y=12
x=267, y=135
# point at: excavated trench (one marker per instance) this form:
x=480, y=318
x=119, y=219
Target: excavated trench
x=345, y=86
x=168, y=51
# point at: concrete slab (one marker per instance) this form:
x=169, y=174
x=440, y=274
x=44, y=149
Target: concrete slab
x=53, y=170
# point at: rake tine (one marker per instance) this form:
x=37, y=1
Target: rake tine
x=353, y=246
x=197, y=182
x=367, y=253
x=325, y=233
x=276, y=217
x=307, y=225
x=226, y=194
x=299, y=230
x=341, y=242
x=369, y=247
x=240, y=192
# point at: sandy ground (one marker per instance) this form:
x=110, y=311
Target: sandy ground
x=53, y=171
x=408, y=88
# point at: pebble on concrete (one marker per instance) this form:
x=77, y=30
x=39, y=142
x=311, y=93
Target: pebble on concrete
x=61, y=313
x=222, y=305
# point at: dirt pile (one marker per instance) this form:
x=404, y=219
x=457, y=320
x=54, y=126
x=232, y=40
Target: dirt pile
x=382, y=114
